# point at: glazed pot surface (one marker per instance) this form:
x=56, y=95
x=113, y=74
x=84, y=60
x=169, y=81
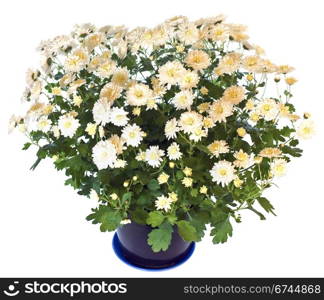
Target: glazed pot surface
x=133, y=242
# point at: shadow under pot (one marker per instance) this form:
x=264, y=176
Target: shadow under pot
x=130, y=245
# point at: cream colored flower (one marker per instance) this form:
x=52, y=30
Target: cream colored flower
x=219, y=110
x=306, y=129
x=171, y=129
x=120, y=163
x=188, y=33
x=110, y=92
x=198, y=60
x=153, y=156
x=77, y=100
x=118, y=142
x=203, y=189
x=104, y=155
x=234, y=94
x=106, y=69
x=218, y=147
x=190, y=121
x=187, y=181
x=163, y=203
x=241, y=131
x=138, y=94
x=229, y=63
x=268, y=109
x=174, y=152
x=187, y=171
x=189, y=80
x=133, y=135
x=183, y=100
x=118, y=116
x=171, y=72
x=270, y=152
x=68, y=125
x=91, y=129
x=242, y=159
x=101, y=112
x=291, y=80
x=278, y=167
x=223, y=172
x=198, y=134
x=173, y=196
x=252, y=63
x=120, y=77
x=163, y=178
x=219, y=32
x=44, y=124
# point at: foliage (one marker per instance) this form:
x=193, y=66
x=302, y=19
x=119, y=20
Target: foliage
x=175, y=127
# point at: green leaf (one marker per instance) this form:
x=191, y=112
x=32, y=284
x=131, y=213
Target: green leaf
x=26, y=146
x=266, y=205
x=187, y=231
x=127, y=196
x=139, y=216
x=194, y=192
x=160, y=238
x=153, y=185
x=155, y=218
x=179, y=175
x=221, y=231
x=108, y=217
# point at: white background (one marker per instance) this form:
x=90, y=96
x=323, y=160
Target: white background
x=43, y=231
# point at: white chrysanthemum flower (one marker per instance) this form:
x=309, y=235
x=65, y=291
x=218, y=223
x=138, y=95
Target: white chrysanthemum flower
x=188, y=33
x=198, y=59
x=133, y=135
x=268, y=109
x=218, y=147
x=91, y=129
x=306, y=129
x=120, y=163
x=278, y=167
x=163, y=178
x=242, y=159
x=153, y=156
x=223, y=172
x=138, y=94
x=110, y=92
x=183, y=100
x=189, y=80
x=118, y=116
x=171, y=129
x=56, y=131
x=171, y=72
x=140, y=156
x=106, y=69
x=68, y=125
x=101, y=112
x=76, y=61
x=35, y=90
x=93, y=195
x=120, y=77
x=220, y=110
x=163, y=203
x=104, y=154
x=174, y=152
x=44, y=124
x=198, y=134
x=190, y=121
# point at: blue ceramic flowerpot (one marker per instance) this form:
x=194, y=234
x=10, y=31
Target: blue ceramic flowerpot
x=132, y=247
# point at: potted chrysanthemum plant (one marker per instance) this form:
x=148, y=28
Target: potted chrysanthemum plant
x=169, y=129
